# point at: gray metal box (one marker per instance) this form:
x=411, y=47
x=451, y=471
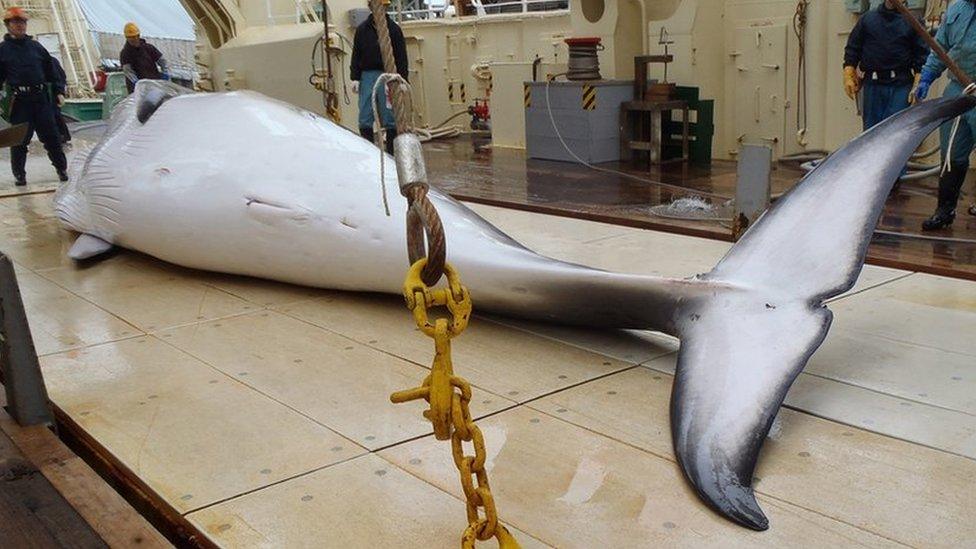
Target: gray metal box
x=358, y=15
x=587, y=115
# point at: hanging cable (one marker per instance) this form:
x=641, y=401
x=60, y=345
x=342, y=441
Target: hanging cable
x=800, y=30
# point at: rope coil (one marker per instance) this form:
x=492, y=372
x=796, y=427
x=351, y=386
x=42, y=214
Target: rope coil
x=584, y=63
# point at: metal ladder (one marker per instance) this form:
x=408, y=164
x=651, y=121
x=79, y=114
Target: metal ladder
x=68, y=21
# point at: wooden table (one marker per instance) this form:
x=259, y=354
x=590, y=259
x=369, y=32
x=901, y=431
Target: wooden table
x=641, y=129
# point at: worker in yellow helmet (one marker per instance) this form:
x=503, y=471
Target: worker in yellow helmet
x=140, y=59
x=365, y=68
x=27, y=71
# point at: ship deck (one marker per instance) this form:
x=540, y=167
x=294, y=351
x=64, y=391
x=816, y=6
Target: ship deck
x=258, y=413
x=472, y=171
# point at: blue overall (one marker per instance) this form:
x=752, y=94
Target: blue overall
x=366, y=83
x=883, y=100
x=958, y=37
x=963, y=144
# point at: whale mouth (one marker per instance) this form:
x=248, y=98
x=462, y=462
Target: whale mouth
x=273, y=212
x=253, y=200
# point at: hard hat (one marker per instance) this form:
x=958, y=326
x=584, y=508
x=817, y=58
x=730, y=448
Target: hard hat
x=15, y=12
x=385, y=2
x=131, y=30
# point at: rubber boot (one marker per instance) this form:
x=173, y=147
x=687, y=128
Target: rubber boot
x=367, y=134
x=391, y=134
x=18, y=164
x=56, y=155
x=949, y=186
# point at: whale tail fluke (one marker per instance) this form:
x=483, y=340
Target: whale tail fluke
x=741, y=348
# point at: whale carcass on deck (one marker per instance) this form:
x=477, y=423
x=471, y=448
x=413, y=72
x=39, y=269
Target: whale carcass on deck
x=240, y=183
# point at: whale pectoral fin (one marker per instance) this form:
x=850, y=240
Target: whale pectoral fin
x=151, y=94
x=738, y=357
x=87, y=246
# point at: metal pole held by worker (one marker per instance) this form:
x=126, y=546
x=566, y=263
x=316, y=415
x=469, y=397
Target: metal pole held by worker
x=961, y=76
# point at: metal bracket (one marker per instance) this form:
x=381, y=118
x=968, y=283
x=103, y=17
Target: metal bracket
x=752, y=186
x=27, y=400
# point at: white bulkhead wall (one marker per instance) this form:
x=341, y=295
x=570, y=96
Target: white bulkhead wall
x=745, y=55
x=742, y=53
x=275, y=58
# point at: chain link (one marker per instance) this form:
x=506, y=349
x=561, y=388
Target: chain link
x=449, y=397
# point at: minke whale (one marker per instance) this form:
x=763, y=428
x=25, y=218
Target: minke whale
x=240, y=183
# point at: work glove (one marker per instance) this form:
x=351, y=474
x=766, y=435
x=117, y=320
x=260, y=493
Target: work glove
x=60, y=100
x=355, y=86
x=911, y=94
x=166, y=76
x=852, y=82
x=924, y=83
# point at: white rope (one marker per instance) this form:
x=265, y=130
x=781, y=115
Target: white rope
x=378, y=135
x=559, y=135
x=947, y=166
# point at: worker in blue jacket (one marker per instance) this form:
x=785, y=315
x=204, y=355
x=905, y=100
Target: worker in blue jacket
x=28, y=69
x=957, y=35
x=890, y=54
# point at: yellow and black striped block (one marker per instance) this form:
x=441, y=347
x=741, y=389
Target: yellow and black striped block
x=589, y=98
x=450, y=91
x=528, y=95
x=464, y=96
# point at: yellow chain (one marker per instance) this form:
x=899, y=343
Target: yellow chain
x=449, y=396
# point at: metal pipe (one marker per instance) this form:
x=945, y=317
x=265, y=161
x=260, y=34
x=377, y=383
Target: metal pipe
x=82, y=37
x=59, y=26
x=936, y=48
x=643, y=11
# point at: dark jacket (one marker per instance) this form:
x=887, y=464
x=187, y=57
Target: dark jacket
x=143, y=61
x=883, y=41
x=60, y=77
x=366, y=49
x=25, y=62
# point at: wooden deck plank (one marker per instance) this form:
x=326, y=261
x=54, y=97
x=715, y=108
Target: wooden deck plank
x=365, y=502
x=339, y=383
x=191, y=433
x=571, y=487
x=32, y=513
x=831, y=469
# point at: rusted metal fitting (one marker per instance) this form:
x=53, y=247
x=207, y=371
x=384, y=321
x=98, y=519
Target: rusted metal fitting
x=409, y=156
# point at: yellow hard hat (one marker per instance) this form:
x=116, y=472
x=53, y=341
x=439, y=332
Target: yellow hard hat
x=131, y=30
x=15, y=12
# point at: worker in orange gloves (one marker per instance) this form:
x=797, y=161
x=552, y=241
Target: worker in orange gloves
x=888, y=52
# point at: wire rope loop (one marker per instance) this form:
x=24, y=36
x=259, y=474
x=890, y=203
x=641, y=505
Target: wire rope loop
x=425, y=238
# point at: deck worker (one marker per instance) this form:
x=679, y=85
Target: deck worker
x=957, y=36
x=890, y=55
x=366, y=66
x=59, y=117
x=140, y=59
x=28, y=69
